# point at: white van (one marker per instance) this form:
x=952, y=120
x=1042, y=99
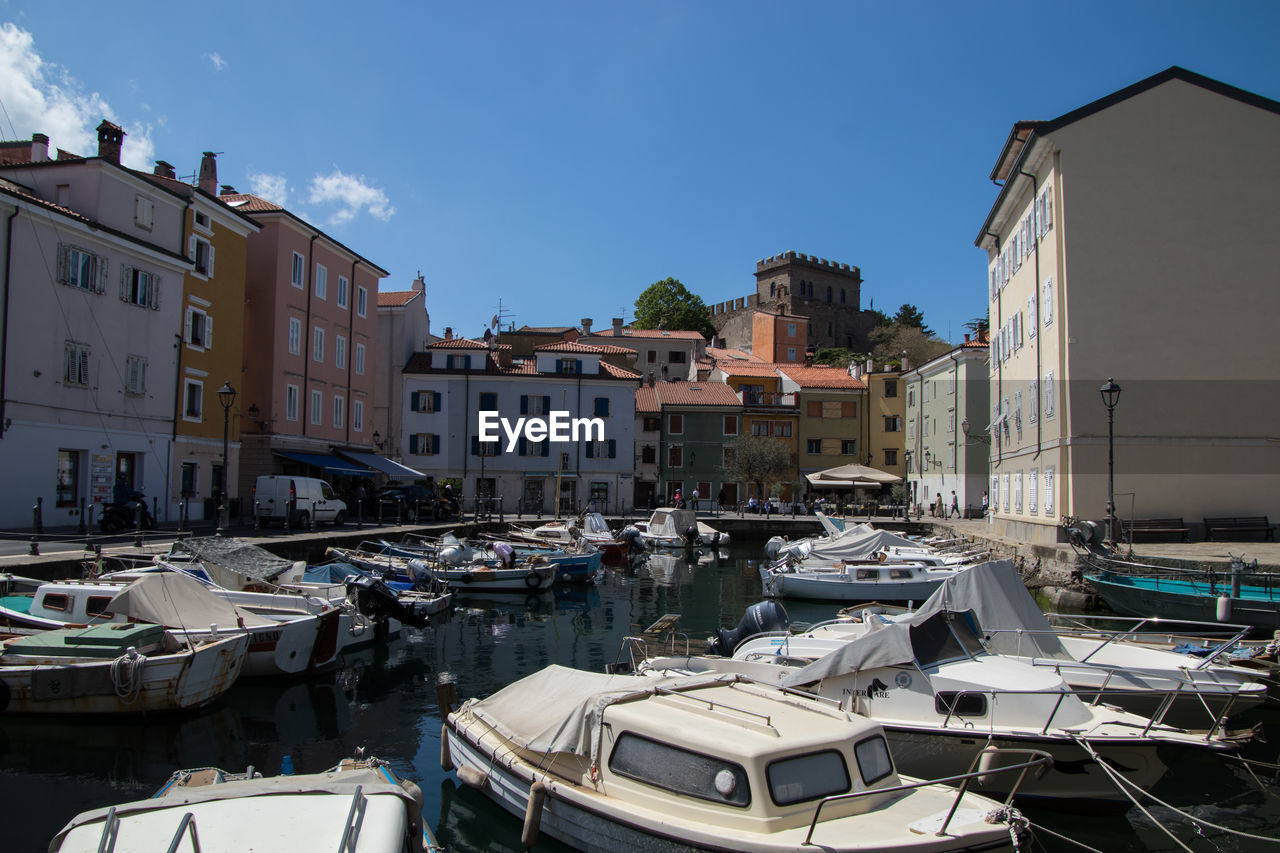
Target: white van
x=304, y=498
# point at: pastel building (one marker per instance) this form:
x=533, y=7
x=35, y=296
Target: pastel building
x=1135, y=238
x=831, y=406
x=404, y=327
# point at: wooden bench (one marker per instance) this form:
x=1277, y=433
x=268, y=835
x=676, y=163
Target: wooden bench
x=1144, y=527
x=1240, y=524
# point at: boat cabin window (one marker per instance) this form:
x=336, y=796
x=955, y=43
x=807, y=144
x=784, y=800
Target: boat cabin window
x=868, y=574
x=55, y=601
x=808, y=777
x=874, y=762
x=965, y=626
x=900, y=574
x=934, y=642
x=680, y=770
x=96, y=605
x=659, y=519
x=960, y=704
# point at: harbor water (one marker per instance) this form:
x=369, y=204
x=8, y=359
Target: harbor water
x=383, y=699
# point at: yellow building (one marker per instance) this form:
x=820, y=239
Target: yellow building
x=1134, y=238
x=767, y=411
x=831, y=406
x=885, y=435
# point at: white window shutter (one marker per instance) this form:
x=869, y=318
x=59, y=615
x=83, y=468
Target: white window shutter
x=186, y=326
x=124, y=284
x=208, y=332
x=63, y=251
x=100, y=279
x=191, y=247
x=1031, y=316
x=210, y=272
x=155, y=293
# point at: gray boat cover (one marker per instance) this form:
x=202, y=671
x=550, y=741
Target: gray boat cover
x=243, y=560
x=559, y=709
x=992, y=590
x=342, y=783
x=852, y=545
x=176, y=600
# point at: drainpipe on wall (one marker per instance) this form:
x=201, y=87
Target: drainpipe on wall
x=956, y=435
x=1035, y=294
x=997, y=445
x=304, y=405
x=177, y=393
x=4, y=354
x=351, y=354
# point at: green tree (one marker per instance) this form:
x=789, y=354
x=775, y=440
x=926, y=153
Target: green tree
x=882, y=319
x=978, y=326
x=910, y=315
x=669, y=305
x=834, y=356
x=759, y=460
x=890, y=342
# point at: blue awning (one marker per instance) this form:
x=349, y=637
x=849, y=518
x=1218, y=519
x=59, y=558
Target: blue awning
x=392, y=469
x=330, y=464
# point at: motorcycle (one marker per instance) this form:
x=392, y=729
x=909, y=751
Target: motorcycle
x=117, y=517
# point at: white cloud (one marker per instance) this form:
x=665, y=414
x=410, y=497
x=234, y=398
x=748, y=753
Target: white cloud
x=352, y=194
x=216, y=58
x=41, y=97
x=271, y=187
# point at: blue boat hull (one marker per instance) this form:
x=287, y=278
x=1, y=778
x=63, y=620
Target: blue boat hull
x=1181, y=599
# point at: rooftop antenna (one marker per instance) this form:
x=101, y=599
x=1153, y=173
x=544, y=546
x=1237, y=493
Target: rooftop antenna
x=500, y=317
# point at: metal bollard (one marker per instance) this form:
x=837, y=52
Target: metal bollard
x=359, y=514
x=311, y=518
x=137, y=525
x=257, y=514
x=399, y=511
x=81, y=528
x=288, y=511
x=88, y=522
x=39, y=516
x=501, y=510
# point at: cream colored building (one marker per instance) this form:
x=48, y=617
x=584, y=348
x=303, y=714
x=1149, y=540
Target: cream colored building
x=1137, y=237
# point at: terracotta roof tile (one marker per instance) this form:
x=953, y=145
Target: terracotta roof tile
x=975, y=345
x=618, y=372
x=248, y=202
x=576, y=346
x=657, y=334
x=695, y=394
x=821, y=376
x=544, y=330
x=719, y=353
x=396, y=298
x=647, y=400
x=458, y=343
x=747, y=368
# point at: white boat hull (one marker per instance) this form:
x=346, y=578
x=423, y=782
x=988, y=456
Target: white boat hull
x=836, y=586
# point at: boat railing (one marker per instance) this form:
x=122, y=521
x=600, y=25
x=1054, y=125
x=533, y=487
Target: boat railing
x=1260, y=584
x=355, y=819
x=1039, y=759
x=636, y=650
x=1142, y=627
x=188, y=822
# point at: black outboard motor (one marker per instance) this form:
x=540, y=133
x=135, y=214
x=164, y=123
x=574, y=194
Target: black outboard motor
x=691, y=537
x=760, y=618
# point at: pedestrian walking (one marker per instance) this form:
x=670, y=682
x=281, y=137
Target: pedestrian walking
x=955, y=504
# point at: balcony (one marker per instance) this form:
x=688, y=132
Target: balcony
x=766, y=399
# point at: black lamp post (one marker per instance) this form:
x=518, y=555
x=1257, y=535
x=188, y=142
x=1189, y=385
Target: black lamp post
x=227, y=397
x=1110, y=397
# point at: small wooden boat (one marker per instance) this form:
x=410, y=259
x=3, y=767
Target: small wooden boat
x=530, y=577
x=116, y=668
x=855, y=581
x=625, y=763
x=360, y=806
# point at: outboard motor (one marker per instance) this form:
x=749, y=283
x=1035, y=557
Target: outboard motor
x=373, y=597
x=451, y=555
x=631, y=535
x=691, y=537
x=774, y=546
x=760, y=618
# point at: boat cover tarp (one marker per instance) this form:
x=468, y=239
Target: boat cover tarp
x=559, y=709
x=246, y=560
x=176, y=600
x=999, y=599
x=342, y=784
x=890, y=645
x=852, y=546
x=669, y=521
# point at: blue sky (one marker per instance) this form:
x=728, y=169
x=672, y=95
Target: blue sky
x=560, y=157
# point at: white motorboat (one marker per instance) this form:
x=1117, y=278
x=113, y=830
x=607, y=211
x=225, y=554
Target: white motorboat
x=531, y=576
x=668, y=527
x=360, y=806
x=116, y=668
x=855, y=581
x=624, y=763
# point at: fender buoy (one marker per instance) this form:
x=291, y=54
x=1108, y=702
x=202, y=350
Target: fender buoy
x=882, y=556
x=533, y=814
x=467, y=577
x=446, y=758
x=532, y=580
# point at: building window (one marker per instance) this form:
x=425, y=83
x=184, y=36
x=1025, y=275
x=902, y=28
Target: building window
x=295, y=336
x=340, y=351
x=601, y=407
x=344, y=288
x=676, y=357
x=359, y=365
x=534, y=404
x=424, y=444
x=651, y=424
x=75, y=363
x=791, y=330
x=317, y=403
x=317, y=344
x=842, y=296
x=652, y=357
x=1033, y=485
x=568, y=365
x=648, y=454
x=1048, y=396
x=339, y=412
x=675, y=456
x=68, y=488
x=189, y=479
x=357, y=416
x=782, y=429
x=1033, y=401
x=322, y=281
x=362, y=301
x=1017, y=492
x=139, y=288
x=291, y=402
x=893, y=423
x=489, y=401
x=192, y=400
x=299, y=265
x=80, y=269
x=200, y=251
x=791, y=353
x=849, y=446
x=144, y=212
x=759, y=428
x=426, y=401
x=606, y=449
x=135, y=378
x=1046, y=302
x=675, y=424
x=891, y=457
x=730, y=424
x=728, y=456
x=199, y=329
x=202, y=221
x=813, y=446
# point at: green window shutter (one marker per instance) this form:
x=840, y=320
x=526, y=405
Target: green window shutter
x=546, y=405
x=435, y=444
x=413, y=398
x=524, y=404
x=613, y=448
x=413, y=443
x=475, y=445
x=520, y=446
x=435, y=401
x=591, y=448
x=546, y=448
x=577, y=365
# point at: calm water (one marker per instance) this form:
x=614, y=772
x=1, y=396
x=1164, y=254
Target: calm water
x=384, y=700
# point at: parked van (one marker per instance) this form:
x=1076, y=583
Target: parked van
x=303, y=498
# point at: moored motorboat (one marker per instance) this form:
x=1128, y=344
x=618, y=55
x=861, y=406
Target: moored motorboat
x=359, y=806
x=626, y=763
x=855, y=581
x=669, y=527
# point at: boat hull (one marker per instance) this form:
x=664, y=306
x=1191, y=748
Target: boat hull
x=1136, y=596
x=834, y=586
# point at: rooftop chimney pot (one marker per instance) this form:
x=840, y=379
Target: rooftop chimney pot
x=110, y=141
x=208, y=180
x=39, y=147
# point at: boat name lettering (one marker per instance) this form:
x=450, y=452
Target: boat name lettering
x=266, y=636
x=558, y=427
x=877, y=689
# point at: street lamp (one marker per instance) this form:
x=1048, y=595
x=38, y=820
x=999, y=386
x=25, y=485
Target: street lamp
x=1110, y=397
x=973, y=439
x=227, y=397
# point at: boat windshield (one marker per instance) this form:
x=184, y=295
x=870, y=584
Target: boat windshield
x=945, y=637
x=703, y=776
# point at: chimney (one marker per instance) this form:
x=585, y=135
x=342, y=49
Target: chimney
x=906, y=362
x=871, y=366
x=448, y=333
x=208, y=180
x=419, y=284
x=586, y=326
x=966, y=337
x=39, y=147
x=165, y=170
x=226, y=189
x=110, y=141
x=617, y=327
